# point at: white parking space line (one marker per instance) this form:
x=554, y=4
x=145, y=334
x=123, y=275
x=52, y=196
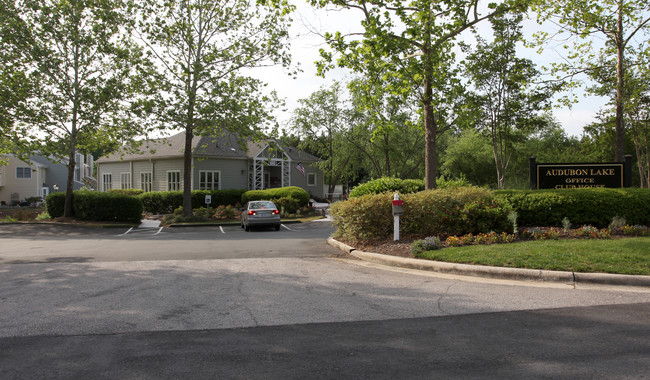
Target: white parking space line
x=222, y=231
x=129, y=230
x=287, y=228
x=145, y=230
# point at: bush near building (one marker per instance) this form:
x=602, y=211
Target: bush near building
x=165, y=202
x=297, y=193
x=94, y=206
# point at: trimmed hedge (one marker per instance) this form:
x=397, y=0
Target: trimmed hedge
x=402, y=186
x=441, y=213
x=95, y=206
x=54, y=203
x=388, y=184
x=594, y=206
x=126, y=191
x=165, y=202
x=297, y=193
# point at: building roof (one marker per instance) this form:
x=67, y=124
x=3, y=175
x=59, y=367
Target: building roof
x=226, y=145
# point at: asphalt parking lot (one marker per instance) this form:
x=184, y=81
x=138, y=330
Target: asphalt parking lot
x=207, y=303
x=48, y=243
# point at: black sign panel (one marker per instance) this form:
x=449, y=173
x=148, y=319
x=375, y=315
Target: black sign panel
x=575, y=176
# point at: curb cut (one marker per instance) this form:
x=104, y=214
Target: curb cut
x=495, y=272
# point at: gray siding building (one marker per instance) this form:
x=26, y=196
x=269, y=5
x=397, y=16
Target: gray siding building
x=220, y=162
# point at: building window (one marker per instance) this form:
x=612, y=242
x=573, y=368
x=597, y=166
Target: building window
x=145, y=182
x=23, y=173
x=173, y=180
x=209, y=180
x=107, y=182
x=311, y=179
x=125, y=180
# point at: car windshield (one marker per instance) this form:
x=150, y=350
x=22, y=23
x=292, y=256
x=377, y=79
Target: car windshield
x=259, y=205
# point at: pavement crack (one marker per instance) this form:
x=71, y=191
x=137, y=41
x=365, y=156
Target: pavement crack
x=244, y=305
x=439, y=302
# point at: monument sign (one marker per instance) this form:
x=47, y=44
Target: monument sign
x=580, y=175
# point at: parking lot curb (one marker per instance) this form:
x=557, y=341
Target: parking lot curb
x=495, y=272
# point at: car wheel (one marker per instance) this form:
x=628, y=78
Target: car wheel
x=277, y=227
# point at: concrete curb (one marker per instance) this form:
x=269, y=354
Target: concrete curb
x=495, y=272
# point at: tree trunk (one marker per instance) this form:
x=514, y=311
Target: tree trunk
x=430, y=132
x=187, y=173
x=69, y=188
x=620, y=88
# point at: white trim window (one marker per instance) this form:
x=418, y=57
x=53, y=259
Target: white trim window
x=125, y=180
x=174, y=180
x=146, y=181
x=209, y=180
x=23, y=172
x=107, y=181
x=311, y=179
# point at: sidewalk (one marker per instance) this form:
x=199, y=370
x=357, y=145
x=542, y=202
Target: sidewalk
x=495, y=272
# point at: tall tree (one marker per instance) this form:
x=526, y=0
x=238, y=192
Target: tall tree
x=507, y=102
x=624, y=24
x=16, y=83
x=395, y=32
x=636, y=107
x=82, y=62
x=384, y=128
x=321, y=122
x=201, y=48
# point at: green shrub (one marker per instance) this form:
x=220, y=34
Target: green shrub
x=201, y=212
x=54, y=203
x=43, y=216
x=288, y=205
x=443, y=212
x=164, y=202
x=403, y=186
x=297, y=193
x=595, y=207
x=32, y=201
x=388, y=184
x=127, y=191
x=224, y=212
x=431, y=243
x=96, y=206
x=444, y=183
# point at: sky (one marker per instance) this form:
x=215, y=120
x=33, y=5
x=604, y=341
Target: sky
x=305, y=45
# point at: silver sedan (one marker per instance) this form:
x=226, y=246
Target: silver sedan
x=260, y=213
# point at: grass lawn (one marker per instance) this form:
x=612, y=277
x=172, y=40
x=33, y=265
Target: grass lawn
x=624, y=256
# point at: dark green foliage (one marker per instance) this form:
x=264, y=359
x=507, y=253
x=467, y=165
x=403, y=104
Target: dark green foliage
x=219, y=197
x=596, y=207
x=54, y=204
x=164, y=202
x=402, y=186
x=294, y=192
x=443, y=212
x=127, y=191
x=388, y=184
x=95, y=206
x=287, y=205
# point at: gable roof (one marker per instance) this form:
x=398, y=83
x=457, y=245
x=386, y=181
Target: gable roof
x=224, y=146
